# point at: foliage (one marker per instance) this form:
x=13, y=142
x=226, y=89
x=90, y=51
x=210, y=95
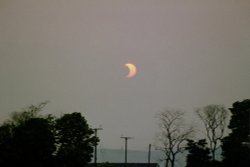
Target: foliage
x=32, y=111
x=34, y=142
x=236, y=150
x=198, y=154
x=26, y=139
x=6, y=146
x=173, y=135
x=74, y=139
x=214, y=118
x=29, y=139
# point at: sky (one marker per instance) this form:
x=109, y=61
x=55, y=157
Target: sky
x=189, y=53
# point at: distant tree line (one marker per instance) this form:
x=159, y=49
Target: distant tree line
x=32, y=140
x=215, y=149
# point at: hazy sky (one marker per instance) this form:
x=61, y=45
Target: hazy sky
x=189, y=53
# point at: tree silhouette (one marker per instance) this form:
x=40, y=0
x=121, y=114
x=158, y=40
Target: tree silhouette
x=29, y=139
x=34, y=142
x=75, y=140
x=236, y=150
x=214, y=119
x=6, y=146
x=198, y=154
x=173, y=135
x=32, y=111
x=26, y=139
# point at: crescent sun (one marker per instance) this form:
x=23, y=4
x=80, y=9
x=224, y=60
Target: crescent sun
x=132, y=70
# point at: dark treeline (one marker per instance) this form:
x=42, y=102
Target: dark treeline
x=216, y=147
x=235, y=147
x=31, y=139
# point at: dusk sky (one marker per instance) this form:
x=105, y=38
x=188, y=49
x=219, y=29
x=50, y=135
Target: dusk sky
x=189, y=53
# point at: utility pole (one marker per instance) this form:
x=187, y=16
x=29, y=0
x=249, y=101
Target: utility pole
x=126, y=147
x=95, y=160
x=149, y=154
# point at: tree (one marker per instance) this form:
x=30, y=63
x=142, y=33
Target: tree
x=75, y=140
x=214, y=118
x=30, y=139
x=6, y=152
x=235, y=147
x=26, y=139
x=198, y=154
x=173, y=135
x=32, y=111
x=34, y=142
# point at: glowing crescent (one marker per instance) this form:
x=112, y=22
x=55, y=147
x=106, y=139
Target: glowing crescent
x=132, y=70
